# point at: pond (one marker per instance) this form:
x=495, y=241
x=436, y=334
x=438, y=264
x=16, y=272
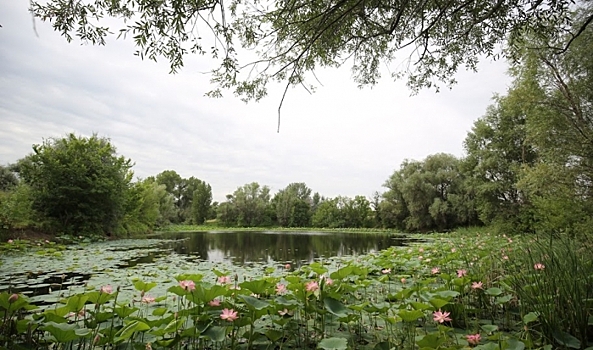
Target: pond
x=48, y=273
x=240, y=247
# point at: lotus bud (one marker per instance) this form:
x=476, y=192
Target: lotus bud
x=13, y=298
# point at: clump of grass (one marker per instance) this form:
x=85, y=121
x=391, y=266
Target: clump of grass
x=556, y=283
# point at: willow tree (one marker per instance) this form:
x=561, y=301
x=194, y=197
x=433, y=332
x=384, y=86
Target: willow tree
x=293, y=38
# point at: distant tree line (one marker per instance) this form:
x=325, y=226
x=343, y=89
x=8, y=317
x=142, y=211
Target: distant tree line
x=528, y=167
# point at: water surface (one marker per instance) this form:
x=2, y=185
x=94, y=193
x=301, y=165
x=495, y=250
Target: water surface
x=43, y=273
x=240, y=247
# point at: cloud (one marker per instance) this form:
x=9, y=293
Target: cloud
x=340, y=140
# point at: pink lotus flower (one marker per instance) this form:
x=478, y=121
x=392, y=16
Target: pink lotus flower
x=420, y=257
x=473, y=339
x=287, y=266
x=107, y=289
x=281, y=288
x=329, y=282
x=96, y=339
x=505, y=257
x=187, y=285
x=435, y=270
x=311, y=286
x=229, y=315
x=224, y=279
x=10, y=241
x=441, y=316
x=453, y=250
x=421, y=250
x=13, y=298
x=539, y=266
x=147, y=299
x=403, y=280
x=385, y=271
x=214, y=302
x=477, y=285
x=461, y=273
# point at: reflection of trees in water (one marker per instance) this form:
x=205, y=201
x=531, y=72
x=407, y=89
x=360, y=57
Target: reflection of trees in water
x=242, y=247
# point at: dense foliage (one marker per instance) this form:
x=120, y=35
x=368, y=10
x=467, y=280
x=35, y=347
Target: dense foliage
x=293, y=38
x=78, y=184
x=453, y=291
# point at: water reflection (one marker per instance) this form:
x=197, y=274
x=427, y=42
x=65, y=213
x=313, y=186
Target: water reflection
x=297, y=247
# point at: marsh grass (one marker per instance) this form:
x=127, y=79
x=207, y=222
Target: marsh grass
x=556, y=283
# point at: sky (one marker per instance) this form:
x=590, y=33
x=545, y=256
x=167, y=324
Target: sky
x=341, y=140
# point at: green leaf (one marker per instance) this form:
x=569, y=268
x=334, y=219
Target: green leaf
x=487, y=346
x=124, y=311
x=438, y=303
x=530, y=317
x=420, y=306
x=63, y=332
x=318, y=268
x=285, y=302
x=566, y=339
x=410, y=315
x=359, y=307
x=258, y=286
x=489, y=328
x=22, y=326
x=254, y=303
x=177, y=290
x=432, y=341
x=447, y=294
x=196, y=277
x=57, y=315
x=159, y=311
x=99, y=298
x=215, y=333
x=333, y=344
x=503, y=299
x=76, y=302
x=273, y=334
x=336, y=307
x=341, y=273
x=514, y=344
x=128, y=330
x=384, y=345
x=494, y=291
x=204, y=295
x=141, y=286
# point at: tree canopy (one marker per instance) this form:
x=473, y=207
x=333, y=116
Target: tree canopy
x=293, y=38
x=78, y=183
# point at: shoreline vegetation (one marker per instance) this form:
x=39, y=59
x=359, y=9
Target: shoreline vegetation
x=211, y=227
x=459, y=290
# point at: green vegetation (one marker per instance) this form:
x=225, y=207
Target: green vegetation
x=291, y=39
x=525, y=282
x=527, y=169
x=461, y=290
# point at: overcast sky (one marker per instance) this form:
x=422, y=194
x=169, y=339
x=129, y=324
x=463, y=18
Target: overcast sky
x=339, y=141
